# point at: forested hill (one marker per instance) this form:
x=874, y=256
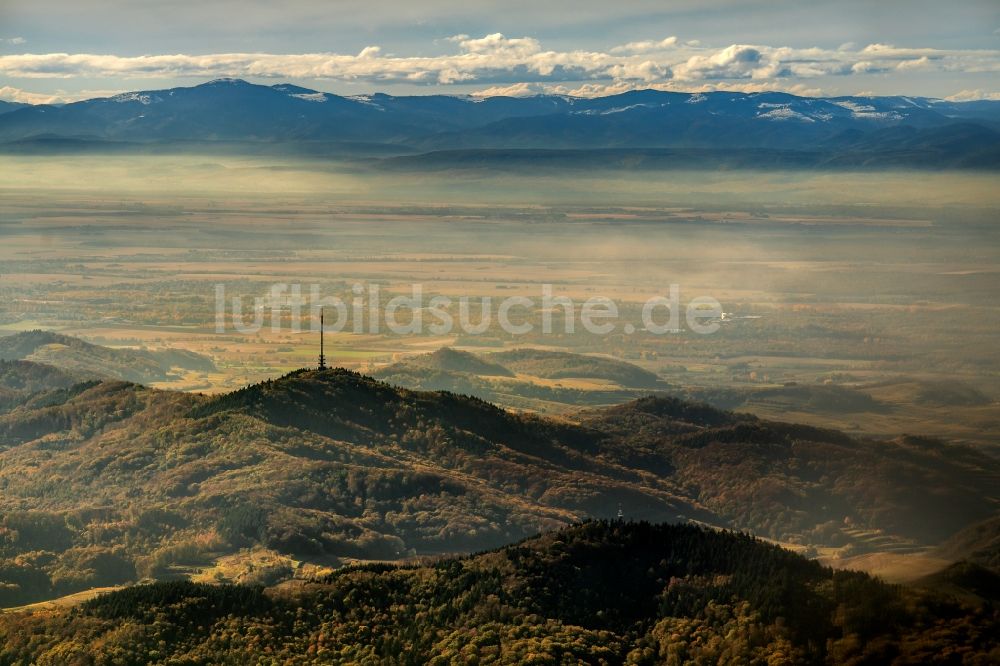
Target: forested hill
x=560, y=365
x=89, y=361
x=601, y=592
x=20, y=380
x=104, y=483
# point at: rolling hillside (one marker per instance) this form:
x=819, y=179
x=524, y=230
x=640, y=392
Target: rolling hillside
x=85, y=360
x=20, y=380
x=565, y=365
x=597, y=593
x=105, y=483
x=454, y=360
x=533, y=379
x=979, y=543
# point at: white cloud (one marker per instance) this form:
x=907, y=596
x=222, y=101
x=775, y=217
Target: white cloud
x=499, y=61
x=513, y=90
x=733, y=62
x=498, y=45
x=646, y=71
x=615, y=88
x=867, y=67
x=973, y=95
x=16, y=41
x=923, y=62
x=11, y=94
x=647, y=46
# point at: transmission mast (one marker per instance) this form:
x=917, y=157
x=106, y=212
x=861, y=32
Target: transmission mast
x=322, y=357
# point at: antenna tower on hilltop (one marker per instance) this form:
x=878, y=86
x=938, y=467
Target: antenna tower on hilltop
x=322, y=357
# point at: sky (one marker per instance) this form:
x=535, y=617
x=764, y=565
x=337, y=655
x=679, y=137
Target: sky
x=63, y=50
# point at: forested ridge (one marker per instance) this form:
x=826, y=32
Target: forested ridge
x=601, y=592
x=524, y=378
x=108, y=483
x=84, y=360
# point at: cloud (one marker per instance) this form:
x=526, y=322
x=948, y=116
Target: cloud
x=498, y=45
x=868, y=67
x=647, y=46
x=513, y=90
x=16, y=41
x=495, y=60
x=973, y=95
x=602, y=90
x=11, y=94
x=733, y=62
x=923, y=62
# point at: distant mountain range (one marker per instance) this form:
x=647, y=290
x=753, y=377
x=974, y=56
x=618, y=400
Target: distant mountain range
x=693, y=128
